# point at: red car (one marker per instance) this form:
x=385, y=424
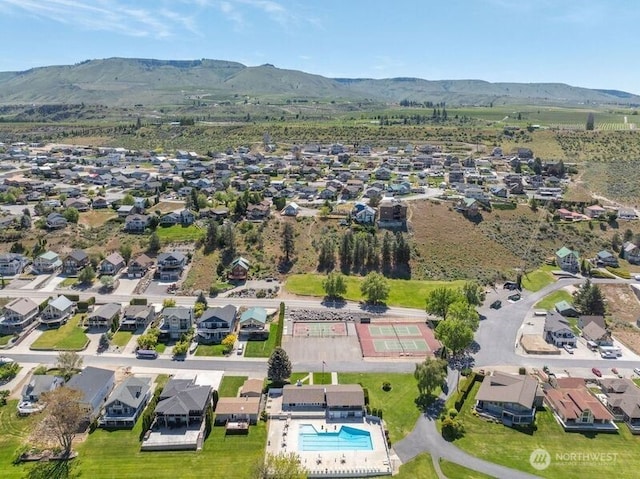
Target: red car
x=597, y=372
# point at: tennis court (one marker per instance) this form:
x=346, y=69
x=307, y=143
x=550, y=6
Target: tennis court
x=396, y=339
x=400, y=345
x=320, y=329
x=394, y=330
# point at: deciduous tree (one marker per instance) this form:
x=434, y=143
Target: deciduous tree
x=281, y=466
x=334, y=285
x=375, y=288
x=61, y=420
x=430, y=374
x=454, y=334
x=440, y=299
x=68, y=362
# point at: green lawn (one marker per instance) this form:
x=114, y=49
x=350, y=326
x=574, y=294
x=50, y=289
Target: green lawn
x=230, y=385
x=299, y=376
x=178, y=233
x=405, y=293
x=210, y=350
x=263, y=349
x=322, y=378
x=68, y=282
x=398, y=405
x=538, y=279
x=160, y=348
x=420, y=467
x=121, y=338
x=456, y=471
x=5, y=338
x=512, y=448
x=14, y=431
x=68, y=337
x=549, y=301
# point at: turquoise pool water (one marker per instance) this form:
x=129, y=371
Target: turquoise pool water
x=345, y=439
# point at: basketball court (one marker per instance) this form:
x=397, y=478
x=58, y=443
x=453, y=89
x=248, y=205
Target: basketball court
x=396, y=340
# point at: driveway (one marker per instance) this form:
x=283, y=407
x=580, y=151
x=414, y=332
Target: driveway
x=126, y=286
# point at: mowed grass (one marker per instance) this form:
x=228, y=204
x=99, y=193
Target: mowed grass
x=322, y=378
x=230, y=385
x=68, y=337
x=456, y=471
x=398, y=405
x=14, y=432
x=5, y=338
x=263, y=349
x=538, y=279
x=549, y=301
x=512, y=448
x=121, y=338
x=210, y=350
x=179, y=233
x=405, y=293
x=420, y=467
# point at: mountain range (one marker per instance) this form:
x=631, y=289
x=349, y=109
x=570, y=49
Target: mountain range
x=131, y=81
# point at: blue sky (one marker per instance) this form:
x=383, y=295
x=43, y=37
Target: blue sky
x=590, y=43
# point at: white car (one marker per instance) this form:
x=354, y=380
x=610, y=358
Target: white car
x=636, y=277
x=6, y=360
x=568, y=348
x=637, y=371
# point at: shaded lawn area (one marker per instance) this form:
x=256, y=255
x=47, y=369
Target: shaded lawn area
x=175, y=233
x=210, y=350
x=538, y=279
x=121, y=338
x=263, y=349
x=456, y=471
x=230, y=385
x=512, y=448
x=116, y=455
x=406, y=293
x=14, y=432
x=68, y=337
x=549, y=301
x=68, y=282
x=5, y=338
x=398, y=406
x=420, y=467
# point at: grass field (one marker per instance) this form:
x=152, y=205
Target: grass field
x=420, y=467
x=179, y=234
x=549, y=301
x=456, y=471
x=512, y=448
x=14, y=431
x=409, y=294
x=121, y=338
x=322, y=378
x=538, y=279
x=210, y=350
x=263, y=349
x=398, y=405
x=230, y=385
x=5, y=338
x=68, y=337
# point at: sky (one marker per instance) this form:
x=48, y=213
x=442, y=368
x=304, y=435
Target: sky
x=588, y=43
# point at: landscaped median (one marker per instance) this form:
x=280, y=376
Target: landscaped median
x=68, y=337
x=403, y=293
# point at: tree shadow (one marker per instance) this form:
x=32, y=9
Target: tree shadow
x=284, y=266
x=379, y=308
x=431, y=406
x=333, y=302
x=65, y=469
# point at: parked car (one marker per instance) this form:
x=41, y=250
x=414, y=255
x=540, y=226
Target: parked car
x=6, y=360
x=515, y=297
x=510, y=285
x=497, y=304
x=240, y=350
x=637, y=371
x=568, y=348
x=636, y=277
x=597, y=372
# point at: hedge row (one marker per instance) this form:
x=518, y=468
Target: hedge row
x=280, y=330
x=464, y=388
x=138, y=301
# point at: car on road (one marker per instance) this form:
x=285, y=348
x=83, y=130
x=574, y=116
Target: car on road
x=497, y=304
x=616, y=372
x=597, y=372
x=568, y=348
x=637, y=371
x=636, y=277
x=6, y=360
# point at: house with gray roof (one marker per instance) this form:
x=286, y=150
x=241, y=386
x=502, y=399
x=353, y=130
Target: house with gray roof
x=104, y=316
x=57, y=312
x=557, y=330
x=182, y=403
x=511, y=399
x=94, y=384
x=623, y=401
x=18, y=314
x=74, y=262
x=12, y=264
x=176, y=321
x=137, y=316
x=215, y=324
x=171, y=265
x=125, y=404
x=33, y=391
x=337, y=401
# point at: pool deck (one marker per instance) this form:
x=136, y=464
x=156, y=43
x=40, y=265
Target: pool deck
x=283, y=437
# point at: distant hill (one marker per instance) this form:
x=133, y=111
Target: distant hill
x=130, y=81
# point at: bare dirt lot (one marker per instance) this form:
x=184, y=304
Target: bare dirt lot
x=623, y=309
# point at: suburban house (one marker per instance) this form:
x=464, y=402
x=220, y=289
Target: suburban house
x=104, y=316
x=292, y=209
x=34, y=389
x=557, y=330
x=57, y=312
x=363, y=214
x=176, y=321
x=631, y=252
x=253, y=322
x=576, y=409
x=242, y=409
x=215, y=324
x=100, y=203
x=139, y=266
x=606, y=258
x=74, y=262
x=594, y=211
x=628, y=214
x=18, y=314
x=586, y=319
x=623, y=401
x=335, y=400
x=597, y=335
x=137, y=316
x=12, y=264
x=55, y=221
x=126, y=403
x=95, y=384
x=112, y=264
x=47, y=263
x=565, y=308
x=239, y=269
x=392, y=214
x=80, y=204
x=126, y=210
x=171, y=265
x=252, y=388
x=258, y=212
x=136, y=223
x=568, y=260
x=509, y=398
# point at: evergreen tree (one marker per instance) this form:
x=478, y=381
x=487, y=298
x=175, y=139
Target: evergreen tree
x=279, y=366
x=288, y=241
x=590, y=122
x=211, y=238
x=346, y=251
x=387, y=252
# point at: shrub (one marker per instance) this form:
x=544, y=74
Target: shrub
x=82, y=306
x=386, y=386
x=522, y=371
x=73, y=297
x=40, y=370
x=138, y=301
x=366, y=396
x=465, y=372
x=452, y=428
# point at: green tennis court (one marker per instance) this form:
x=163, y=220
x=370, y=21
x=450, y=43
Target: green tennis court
x=402, y=345
x=395, y=330
x=320, y=329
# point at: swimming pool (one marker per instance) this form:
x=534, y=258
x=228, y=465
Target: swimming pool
x=345, y=439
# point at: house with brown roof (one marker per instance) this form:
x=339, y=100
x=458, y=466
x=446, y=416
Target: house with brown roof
x=576, y=409
x=252, y=388
x=623, y=401
x=595, y=333
x=139, y=266
x=511, y=399
x=237, y=409
x=74, y=262
x=392, y=214
x=112, y=264
x=18, y=314
x=336, y=400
